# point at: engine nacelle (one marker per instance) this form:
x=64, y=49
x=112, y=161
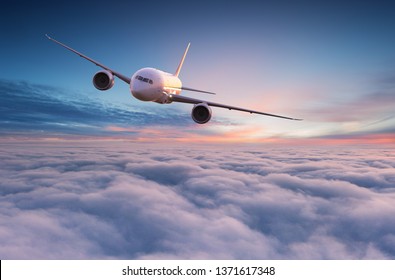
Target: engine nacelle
x=103, y=80
x=201, y=113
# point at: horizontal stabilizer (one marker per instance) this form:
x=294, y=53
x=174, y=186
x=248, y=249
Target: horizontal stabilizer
x=197, y=90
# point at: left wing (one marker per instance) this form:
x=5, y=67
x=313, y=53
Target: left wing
x=184, y=99
x=119, y=75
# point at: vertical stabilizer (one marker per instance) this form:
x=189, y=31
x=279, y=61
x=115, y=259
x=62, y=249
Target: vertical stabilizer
x=182, y=61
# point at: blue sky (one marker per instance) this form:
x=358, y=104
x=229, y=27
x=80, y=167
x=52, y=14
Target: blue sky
x=331, y=64
x=78, y=165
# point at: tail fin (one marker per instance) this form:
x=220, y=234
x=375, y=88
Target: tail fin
x=182, y=61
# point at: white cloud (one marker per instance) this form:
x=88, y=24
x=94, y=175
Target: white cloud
x=109, y=200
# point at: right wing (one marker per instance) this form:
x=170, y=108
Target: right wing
x=184, y=99
x=120, y=76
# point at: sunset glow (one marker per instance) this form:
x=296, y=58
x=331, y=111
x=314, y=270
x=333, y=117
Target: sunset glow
x=102, y=174
x=279, y=60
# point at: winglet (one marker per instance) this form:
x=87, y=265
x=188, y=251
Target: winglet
x=182, y=61
x=46, y=35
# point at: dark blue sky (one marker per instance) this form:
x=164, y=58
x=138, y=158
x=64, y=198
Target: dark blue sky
x=317, y=61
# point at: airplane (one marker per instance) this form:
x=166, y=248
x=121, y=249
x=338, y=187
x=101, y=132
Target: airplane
x=150, y=84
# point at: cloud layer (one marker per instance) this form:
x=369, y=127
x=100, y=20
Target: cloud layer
x=125, y=200
x=37, y=110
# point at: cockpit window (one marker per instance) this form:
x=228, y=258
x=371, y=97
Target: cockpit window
x=146, y=80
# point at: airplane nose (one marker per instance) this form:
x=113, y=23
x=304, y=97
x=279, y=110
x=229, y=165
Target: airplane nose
x=144, y=93
x=139, y=95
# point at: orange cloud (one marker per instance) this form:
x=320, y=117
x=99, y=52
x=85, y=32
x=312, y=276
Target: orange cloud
x=215, y=134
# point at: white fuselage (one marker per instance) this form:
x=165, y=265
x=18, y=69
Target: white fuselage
x=150, y=84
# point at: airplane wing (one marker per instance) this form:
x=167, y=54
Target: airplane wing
x=120, y=76
x=184, y=99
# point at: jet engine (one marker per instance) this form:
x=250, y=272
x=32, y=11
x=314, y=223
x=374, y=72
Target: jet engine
x=103, y=80
x=201, y=113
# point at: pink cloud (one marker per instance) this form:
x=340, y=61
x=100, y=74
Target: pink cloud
x=183, y=201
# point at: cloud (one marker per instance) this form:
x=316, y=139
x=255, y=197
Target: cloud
x=37, y=111
x=30, y=109
x=367, y=115
x=370, y=107
x=126, y=200
x=41, y=112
